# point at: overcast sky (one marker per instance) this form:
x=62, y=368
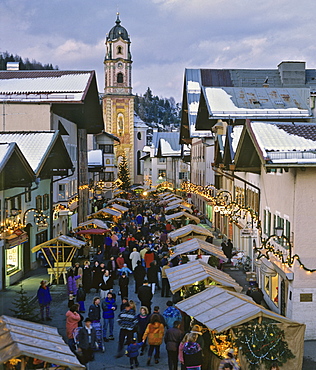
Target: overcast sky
x=167, y=35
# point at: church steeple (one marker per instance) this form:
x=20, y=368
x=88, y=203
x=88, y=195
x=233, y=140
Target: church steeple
x=118, y=61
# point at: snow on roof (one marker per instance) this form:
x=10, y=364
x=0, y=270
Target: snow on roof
x=4, y=148
x=95, y=158
x=65, y=87
x=280, y=146
x=237, y=130
x=33, y=145
x=259, y=102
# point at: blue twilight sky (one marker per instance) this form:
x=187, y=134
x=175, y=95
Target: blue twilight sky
x=167, y=35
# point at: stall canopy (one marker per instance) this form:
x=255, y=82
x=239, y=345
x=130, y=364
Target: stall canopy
x=106, y=211
x=189, y=273
x=189, y=230
x=119, y=207
x=196, y=245
x=93, y=223
x=183, y=214
x=24, y=338
x=92, y=231
x=176, y=206
x=120, y=200
x=161, y=195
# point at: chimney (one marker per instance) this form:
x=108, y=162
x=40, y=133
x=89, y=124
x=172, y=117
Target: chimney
x=292, y=73
x=13, y=66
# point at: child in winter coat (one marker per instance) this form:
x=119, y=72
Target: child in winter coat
x=133, y=352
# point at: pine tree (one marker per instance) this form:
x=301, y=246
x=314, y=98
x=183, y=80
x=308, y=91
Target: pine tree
x=24, y=307
x=123, y=174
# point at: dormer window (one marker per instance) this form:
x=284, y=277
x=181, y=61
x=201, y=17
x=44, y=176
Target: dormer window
x=119, y=78
x=119, y=50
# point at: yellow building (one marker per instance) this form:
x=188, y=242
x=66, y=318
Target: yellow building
x=118, y=101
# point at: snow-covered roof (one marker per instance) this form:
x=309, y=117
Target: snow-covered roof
x=49, y=86
x=33, y=145
x=243, y=102
x=138, y=122
x=279, y=146
x=95, y=158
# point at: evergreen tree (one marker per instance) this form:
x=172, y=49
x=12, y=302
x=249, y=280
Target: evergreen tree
x=25, y=309
x=124, y=175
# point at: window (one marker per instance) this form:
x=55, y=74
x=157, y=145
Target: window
x=161, y=174
x=138, y=163
x=107, y=148
x=162, y=160
x=39, y=203
x=119, y=50
x=28, y=195
x=119, y=78
x=45, y=202
x=107, y=161
x=183, y=175
x=139, y=135
x=62, y=191
x=108, y=176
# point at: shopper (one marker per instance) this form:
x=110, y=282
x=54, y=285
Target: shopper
x=172, y=339
x=108, y=306
x=155, y=333
x=44, y=298
x=86, y=341
x=133, y=352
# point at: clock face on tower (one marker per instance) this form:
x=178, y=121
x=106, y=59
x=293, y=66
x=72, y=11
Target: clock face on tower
x=120, y=65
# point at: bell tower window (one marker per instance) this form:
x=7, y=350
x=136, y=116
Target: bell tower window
x=119, y=50
x=119, y=78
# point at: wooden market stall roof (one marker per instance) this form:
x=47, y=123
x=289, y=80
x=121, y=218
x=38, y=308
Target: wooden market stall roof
x=24, y=338
x=220, y=309
x=175, y=206
x=161, y=195
x=120, y=200
x=189, y=273
x=95, y=222
x=183, y=214
x=196, y=244
x=119, y=207
x=187, y=230
x=108, y=211
x=60, y=241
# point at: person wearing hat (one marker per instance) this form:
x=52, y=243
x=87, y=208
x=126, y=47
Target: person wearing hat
x=86, y=341
x=229, y=359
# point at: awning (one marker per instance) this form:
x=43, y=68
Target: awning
x=220, y=309
x=119, y=207
x=60, y=241
x=187, y=230
x=161, y=195
x=120, y=200
x=108, y=211
x=95, y=222
x=171, y=202
x=196, y=244
x=176, y=206
x=183, y=214
x=196, y=271
x=16, y=238
x=25, y=338
x=92, y=232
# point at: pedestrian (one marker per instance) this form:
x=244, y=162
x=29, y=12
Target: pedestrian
x=192, y=353
x=86, y=276
x=72, y=320
x=173, y=339
x=145, y=295
x=106, y=284
x=133, y=352
x=71, y=281
x=44, y=298
x=171, y=314
x=155, y=333
x=134, y=257
x=108, y=305
x=229, y=359
x=112, y=266
x=78, y=271
x=120, y=261
x=165, y=286
x=86, y=341
x=257, y=295
x=81, y=297
x=152, y=275
x=124, y=303
x=149, y=257
x=125, y=269
x=180, y=350
x=123, y=284
x=143, y=321
x=95, y=310
x=127, y=321
x=139, y=275
x=96, y=276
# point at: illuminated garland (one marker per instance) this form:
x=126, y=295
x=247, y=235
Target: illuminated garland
x=165, y=185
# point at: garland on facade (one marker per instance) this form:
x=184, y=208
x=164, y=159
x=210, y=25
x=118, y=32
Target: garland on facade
x=263, y=344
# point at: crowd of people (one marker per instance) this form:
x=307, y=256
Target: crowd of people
x=133, y=255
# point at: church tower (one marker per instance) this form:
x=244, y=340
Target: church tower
x=118, y=101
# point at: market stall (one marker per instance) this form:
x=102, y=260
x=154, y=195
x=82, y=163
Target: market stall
x=198, y=246
x=21, y=339
x=119, y=200
x=188, y=232
x=92, y=223
x=59, y=253
x=234, y=318
x=107, y=212
x=183, y=216
x=193, y=277
x=119, y=208
x=178, y=206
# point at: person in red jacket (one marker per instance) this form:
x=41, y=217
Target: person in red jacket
x=72, y=319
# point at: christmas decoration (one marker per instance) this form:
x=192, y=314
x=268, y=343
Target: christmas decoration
x=25, y=308
x=263, y=344
x=123, y=174
x=221, y=343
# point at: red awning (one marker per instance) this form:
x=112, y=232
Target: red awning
x=92, y=231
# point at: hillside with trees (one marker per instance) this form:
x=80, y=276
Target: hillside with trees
x=25, y=64
x=154, y=110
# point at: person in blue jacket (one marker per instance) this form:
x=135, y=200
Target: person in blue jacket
x=133, y=352
x=108, y=306
x=44, y=298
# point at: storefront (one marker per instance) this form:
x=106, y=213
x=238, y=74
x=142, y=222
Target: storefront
x=14, y=256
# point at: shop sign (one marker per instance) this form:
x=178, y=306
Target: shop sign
x=17, y=237
x=247, y=232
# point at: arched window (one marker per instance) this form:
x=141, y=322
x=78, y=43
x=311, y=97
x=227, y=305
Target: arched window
x=107, y=161
x=119, y=50
x=139, y=135
x=119, y=78
x=120, y=124
x=139, y=167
